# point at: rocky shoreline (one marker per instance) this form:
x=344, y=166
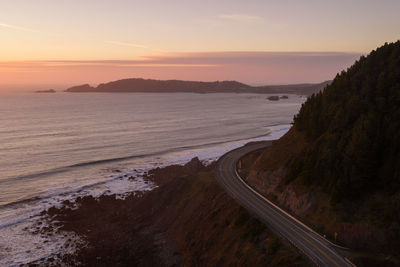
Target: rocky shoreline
x=187, y=220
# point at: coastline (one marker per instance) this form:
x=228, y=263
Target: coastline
x=45, y=240
x=186, y=220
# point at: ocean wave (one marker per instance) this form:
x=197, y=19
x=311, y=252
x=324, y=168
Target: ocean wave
x=117, y=159
x=179, y=155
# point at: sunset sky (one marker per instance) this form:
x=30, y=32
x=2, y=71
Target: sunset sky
x=65, y=42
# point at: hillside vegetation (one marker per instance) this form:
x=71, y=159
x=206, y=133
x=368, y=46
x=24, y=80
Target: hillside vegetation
x=338, y=168
x=353, y=125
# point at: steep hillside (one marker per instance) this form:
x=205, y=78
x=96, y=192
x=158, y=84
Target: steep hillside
x=353, y=126
x=339, y=166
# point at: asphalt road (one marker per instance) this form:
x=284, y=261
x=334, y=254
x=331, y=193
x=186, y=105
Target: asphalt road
x=319, y=250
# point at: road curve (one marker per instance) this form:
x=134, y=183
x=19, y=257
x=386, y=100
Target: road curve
x=319, y=250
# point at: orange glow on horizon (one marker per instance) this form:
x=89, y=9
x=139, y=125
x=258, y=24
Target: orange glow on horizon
x=247, y=67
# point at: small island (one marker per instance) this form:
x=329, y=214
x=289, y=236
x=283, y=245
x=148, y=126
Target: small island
x=46, y=91
x=273, y=98
x=276, y=98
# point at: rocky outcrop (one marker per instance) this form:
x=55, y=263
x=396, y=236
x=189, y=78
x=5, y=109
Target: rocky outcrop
x=46, y=91
x=273, y=98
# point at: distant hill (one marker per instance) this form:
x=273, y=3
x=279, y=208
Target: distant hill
x=138, y=85
x=338, y=167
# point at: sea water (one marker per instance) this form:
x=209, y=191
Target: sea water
x=59, y=146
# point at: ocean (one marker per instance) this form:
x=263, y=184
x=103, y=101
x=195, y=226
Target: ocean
x=60, y=146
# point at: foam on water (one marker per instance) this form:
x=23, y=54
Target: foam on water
x=20, y=239
x=210, y=154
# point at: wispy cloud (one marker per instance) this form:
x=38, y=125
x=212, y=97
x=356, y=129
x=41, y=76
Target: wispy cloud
x=134, y=45
x=243, y=18
x=14, y=27
x=154, y=62
x=203, y=59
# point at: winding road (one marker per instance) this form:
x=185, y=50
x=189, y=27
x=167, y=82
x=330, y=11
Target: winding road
x=319, y=250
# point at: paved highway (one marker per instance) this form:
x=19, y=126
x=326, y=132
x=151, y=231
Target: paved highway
x=319, y=250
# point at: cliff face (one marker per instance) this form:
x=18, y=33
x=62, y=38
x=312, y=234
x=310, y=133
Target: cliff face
x=338, y=167
x=269, y=169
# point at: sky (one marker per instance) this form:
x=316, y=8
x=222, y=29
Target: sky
x=65, y=42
